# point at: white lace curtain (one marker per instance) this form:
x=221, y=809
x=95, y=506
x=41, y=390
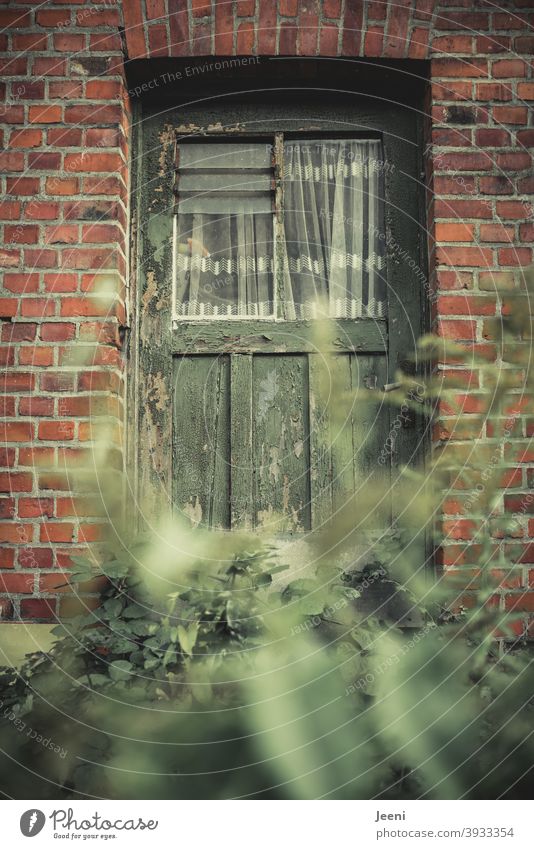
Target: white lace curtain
x=333, y=214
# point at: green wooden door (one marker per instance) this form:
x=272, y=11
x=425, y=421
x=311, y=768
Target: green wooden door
x=238, y=417
x=259, y=440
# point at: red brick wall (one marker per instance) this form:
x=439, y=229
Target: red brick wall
x=64, y=126
x=65, y=131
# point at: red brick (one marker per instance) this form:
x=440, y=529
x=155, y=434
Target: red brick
x=85, y=258
x=33, y=41
x=9, y=210
x=453, y=44
x=24, y=234
x=491, y=137
x=515, y=256
x=38, y=608
x=510, y=114
x=496, y=233
x=83, y=114
x=526, y=232
x=24, y=332
x=474, y=257
x=289, y=8
x=41, y=210
x=54, y=480
x=459, y=68
x=26, y=138
x=465, y=305
x=493, y=43
x=93, y=162
x=457, y=330
x=514, y=160
x=500, y=185
x=7, y=457
x=511, y=209
x=60, y=282
x=36, y=456
x=16, y=482
x=83, y=306
x=7, y=561
x=7, y=508
x=69, y=42
x=70, y=137
x=57, y=382
x=103, y=90
x=509, y=68
x=62, y=185
x=37, y=307
x=245, y=39
x=35, y=406
x=65, y=89
x=11, y=160
x=44, y=66
x=56, y=532
x=35, y=507
x=7, y=404
x=9, y=258
x=288, y=39
x=45, y=114
x=57, y=331
x=45, y=160
x=22, y=185
x=455, y=232
x=374, y=41
x=16, y=431
x=493, y=91
x=66, y=234
x=56, y=431
x=520, y=602
x=36, y=558
x=36, y=356
x=54, y=582
x=465, y=161
x=16, y=583
x=524, y=44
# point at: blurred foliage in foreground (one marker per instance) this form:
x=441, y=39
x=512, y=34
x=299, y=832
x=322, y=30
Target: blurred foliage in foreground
x=209, y=670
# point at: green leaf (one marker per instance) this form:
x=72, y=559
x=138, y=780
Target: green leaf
x=134, y=611
x=97, y=680
x=116, y=569
x=188, y=637
x=120, y=670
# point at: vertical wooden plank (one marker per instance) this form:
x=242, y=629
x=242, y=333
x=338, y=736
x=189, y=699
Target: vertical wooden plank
x=341, y=432
x=320, y=453
x=154, y=372
x=370, y=427
x=281, y=442
x=201, y=440
x=242, y=463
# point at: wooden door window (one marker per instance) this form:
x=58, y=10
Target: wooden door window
x=279, y=228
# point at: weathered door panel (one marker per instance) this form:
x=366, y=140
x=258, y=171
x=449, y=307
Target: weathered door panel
x=274, y=441
x=201, y=444
x=348, y=431
x=281, y=441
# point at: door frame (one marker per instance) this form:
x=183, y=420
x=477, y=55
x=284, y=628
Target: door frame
x=150, y=390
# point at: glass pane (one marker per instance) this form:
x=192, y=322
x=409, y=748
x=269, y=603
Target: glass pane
x=224, y=231
x=334, y=228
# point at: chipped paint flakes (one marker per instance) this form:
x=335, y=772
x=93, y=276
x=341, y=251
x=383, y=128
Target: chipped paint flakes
x=193, y=511
x=156, y=392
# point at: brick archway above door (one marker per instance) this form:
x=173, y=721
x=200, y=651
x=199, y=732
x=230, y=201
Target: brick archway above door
x=287, y=28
